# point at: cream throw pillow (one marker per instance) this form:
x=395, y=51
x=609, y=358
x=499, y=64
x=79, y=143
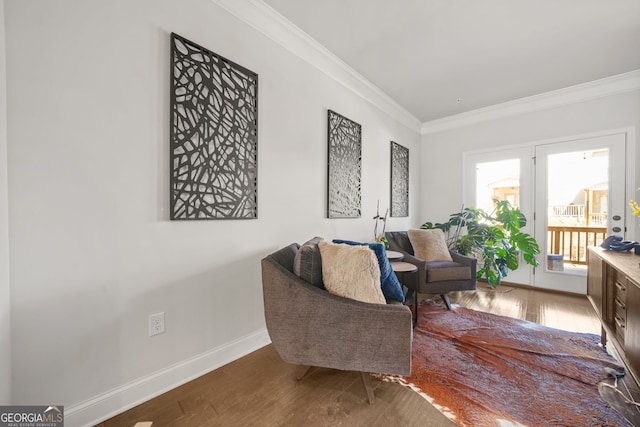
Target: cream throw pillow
x=351, y=272
x=429, y=245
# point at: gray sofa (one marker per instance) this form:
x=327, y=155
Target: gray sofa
x=309, y=326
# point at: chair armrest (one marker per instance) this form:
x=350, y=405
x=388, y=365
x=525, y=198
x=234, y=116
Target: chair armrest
x=419, y=263
x=310, y=326
x=422, y=265
x=466, y=260
x=462, y=259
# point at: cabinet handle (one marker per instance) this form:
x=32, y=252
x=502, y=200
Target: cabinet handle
x=620, y=304
x=621, y=287
x=619, y=322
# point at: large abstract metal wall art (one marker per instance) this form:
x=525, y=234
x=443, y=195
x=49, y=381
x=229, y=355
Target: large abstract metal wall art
x=214, y=135
x=399, y=180
x=345, y=147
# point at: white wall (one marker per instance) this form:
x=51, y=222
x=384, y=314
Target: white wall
x=92, y=250
x=442, y=152
x=5, y=306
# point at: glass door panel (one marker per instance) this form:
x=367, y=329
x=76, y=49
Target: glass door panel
x=573, y=202
x=502, y=175
x=497, y=180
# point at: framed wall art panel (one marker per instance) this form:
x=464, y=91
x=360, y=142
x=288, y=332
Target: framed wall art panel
x=399, y=180
x=344, y=172
x=214, y=135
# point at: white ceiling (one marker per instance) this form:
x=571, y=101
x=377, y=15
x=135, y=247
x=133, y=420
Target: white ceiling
x=438, y=58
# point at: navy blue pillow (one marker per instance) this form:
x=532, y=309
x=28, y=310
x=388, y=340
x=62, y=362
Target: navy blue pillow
x=391, y=288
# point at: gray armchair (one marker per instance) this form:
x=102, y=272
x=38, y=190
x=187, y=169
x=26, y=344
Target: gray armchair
x=436, y=277
x=309, y=326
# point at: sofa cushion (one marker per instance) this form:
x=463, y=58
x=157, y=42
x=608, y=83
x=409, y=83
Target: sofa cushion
x=438, y=271
x=391, y=288
x=286, y=256
x=429, y=245
x=351, y=272
x=307, y=263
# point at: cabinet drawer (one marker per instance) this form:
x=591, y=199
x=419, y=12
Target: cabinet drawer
x=621, y=289
x=620, y=309
x=620, y=328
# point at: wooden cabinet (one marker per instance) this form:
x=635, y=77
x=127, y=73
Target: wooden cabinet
x=613, y=287
x=632, y=339
x=595, y=283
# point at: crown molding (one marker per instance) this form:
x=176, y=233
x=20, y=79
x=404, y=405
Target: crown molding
x=596, y=89
x=266, y=20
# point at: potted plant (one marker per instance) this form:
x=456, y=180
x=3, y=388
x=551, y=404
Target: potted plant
x=379, y=237
x=494, y=238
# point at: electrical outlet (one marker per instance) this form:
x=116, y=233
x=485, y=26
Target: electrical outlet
x=156, y=324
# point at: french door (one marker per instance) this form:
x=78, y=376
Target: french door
x=579, y=199
x=506, y=175
x=572, y=193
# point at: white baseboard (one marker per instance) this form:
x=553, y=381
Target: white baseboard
x=118, y=400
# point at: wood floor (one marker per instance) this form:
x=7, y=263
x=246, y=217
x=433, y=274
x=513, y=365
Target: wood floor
x=260, y=390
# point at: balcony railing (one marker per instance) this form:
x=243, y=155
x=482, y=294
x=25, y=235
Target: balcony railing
x=577, y=215
x=572, y=242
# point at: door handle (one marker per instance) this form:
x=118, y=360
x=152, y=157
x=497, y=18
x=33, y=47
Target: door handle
x=616, y=229
x=616, y=217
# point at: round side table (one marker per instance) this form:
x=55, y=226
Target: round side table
x=395, y=256
x=408, y=275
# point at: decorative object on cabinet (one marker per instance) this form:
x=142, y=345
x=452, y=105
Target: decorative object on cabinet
x=214, y=135
x=399, y=180
x=635, y=212
x=344, y=169
x=635, y=207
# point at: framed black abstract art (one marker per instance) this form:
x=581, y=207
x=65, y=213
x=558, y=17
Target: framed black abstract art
x=399, y=180
x=344, y=173
x=214, y=135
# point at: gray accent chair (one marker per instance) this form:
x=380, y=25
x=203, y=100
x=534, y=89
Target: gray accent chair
x=309, y=326
x=435, y=277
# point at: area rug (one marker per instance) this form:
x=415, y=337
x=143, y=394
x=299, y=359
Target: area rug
x=481, y=369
